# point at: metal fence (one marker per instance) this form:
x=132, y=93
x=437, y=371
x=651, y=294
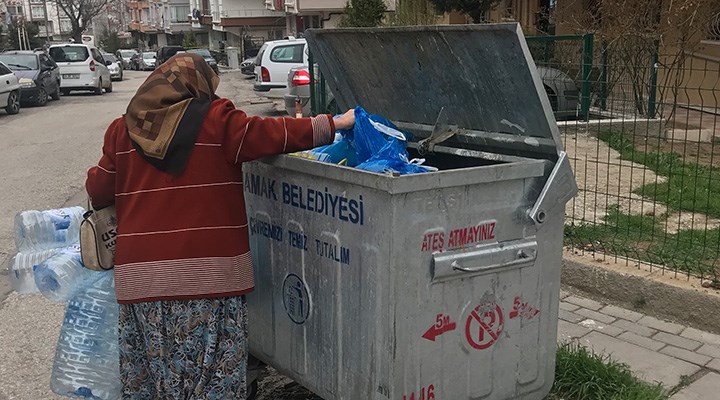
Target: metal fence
x=643, y=148
x=640, y=124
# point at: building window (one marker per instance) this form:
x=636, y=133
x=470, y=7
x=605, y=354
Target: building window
x=65, y=25
x=37, y=12
x=179, y=13
x=15, y=10
x=46, y=32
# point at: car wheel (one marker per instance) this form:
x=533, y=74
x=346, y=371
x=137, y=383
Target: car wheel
x=56, y=94
x=99, y=89
x=109, y=89
x=42, y=97
x=121, y=76
x=13, y=104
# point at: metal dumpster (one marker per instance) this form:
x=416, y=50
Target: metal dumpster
x=442, y=285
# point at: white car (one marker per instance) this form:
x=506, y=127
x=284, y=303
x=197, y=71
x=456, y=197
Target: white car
x=273, y=63
x=82, y=68
x=9, y=90
x=147, y=61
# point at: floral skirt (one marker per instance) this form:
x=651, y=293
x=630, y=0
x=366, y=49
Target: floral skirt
x=184, y=349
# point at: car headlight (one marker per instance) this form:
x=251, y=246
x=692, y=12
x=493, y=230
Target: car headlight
x=26, y=82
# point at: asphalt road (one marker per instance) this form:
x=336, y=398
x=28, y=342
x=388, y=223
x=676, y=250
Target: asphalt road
x=44, y=155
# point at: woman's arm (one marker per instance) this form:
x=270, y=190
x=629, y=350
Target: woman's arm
x=100, y=183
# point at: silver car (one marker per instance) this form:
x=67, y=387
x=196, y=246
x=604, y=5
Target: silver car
x=114, y=66
x=9, y=90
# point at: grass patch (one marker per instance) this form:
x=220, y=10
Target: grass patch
x=689, y=186
x=582, y=375
x=645, y=238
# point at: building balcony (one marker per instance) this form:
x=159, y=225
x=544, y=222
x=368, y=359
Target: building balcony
x=251, y=13
x=138, y=5
x=141, y=27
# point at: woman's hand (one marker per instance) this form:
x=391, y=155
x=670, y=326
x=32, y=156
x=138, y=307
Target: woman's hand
x=345, y=121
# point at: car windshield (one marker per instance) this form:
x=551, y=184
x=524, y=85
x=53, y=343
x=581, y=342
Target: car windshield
x=203, y=52
x=148, y=56
x=109, y=57
x=69, y=53
x=127, y=53
x=20, y=62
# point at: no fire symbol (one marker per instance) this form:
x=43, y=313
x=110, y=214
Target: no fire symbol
x=484, y=325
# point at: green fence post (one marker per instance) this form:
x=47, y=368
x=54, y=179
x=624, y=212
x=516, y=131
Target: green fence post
x=313, y=96
x=322, y=101
x=603, y=76
x=652, y=96
x=587, y=65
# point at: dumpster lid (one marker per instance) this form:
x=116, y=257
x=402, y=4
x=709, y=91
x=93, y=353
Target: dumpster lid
x=482, y=75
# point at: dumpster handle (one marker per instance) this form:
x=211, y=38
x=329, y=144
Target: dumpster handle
x=522, y=259
x=558, y=190
x=490, y=258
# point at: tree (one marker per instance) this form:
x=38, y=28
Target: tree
x=109, y=40
x=31, y=30
x=189, y=40
x=414, y=12
x=81, y=14
x=475, y=9
x=363, y=13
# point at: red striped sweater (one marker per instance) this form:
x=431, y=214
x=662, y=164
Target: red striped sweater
x=186, y=237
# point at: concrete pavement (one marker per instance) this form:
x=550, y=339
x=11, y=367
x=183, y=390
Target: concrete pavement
x=683, y=359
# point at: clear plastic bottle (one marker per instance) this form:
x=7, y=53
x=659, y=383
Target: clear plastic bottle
x=40, y=230
x=87, y=356
x=63, y=275
x=21, y=269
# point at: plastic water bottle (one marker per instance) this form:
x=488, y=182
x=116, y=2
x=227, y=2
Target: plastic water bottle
x=21, y=270
x=40, y=230
x=63, y=275
x=87, y=360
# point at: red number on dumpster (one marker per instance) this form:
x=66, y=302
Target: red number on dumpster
x=425, y=394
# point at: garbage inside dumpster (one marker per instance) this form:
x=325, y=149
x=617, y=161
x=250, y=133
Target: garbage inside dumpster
x=374, y=144
x=430, y=285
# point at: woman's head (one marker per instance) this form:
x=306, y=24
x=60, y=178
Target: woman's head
x=189, y=74
x=164, y=117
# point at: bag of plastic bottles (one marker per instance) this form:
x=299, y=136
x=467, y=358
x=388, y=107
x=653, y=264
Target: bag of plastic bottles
x=21, y=270
x=41, y=230
x=87, y=358
x=63, y=275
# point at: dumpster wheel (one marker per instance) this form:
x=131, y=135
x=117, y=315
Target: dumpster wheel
x=252, y=390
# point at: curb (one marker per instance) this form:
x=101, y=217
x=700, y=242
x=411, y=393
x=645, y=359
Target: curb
x=652, y=291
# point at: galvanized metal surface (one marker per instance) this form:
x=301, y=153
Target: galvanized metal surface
x=381, y=308
x=483, y=75
x=441, y=285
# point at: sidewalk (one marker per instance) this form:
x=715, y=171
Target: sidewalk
x=655, y=350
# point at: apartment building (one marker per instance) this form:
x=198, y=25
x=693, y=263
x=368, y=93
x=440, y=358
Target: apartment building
x=159, y=23
x=53, y=24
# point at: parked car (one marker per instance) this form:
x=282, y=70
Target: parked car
x=560, y=88
x=125, y=56
x=38, y=75
x=274, y=61
x=205, y=54
x=147, y=61
x=298, y=84
x=164, y=53
x=562, y=92
x=247, y=67
x=114, y=66
x=82, y=67
x=9, y=90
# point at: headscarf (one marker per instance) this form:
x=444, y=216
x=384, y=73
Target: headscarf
x=164, y=117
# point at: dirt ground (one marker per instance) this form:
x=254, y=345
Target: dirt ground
x=604, y=179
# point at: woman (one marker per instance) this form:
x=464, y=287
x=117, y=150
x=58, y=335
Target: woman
x=172, y=166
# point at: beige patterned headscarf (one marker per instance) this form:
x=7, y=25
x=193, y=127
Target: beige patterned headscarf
x=164, y=117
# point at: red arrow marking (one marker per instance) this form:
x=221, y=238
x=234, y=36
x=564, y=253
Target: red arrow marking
x=443, y=325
